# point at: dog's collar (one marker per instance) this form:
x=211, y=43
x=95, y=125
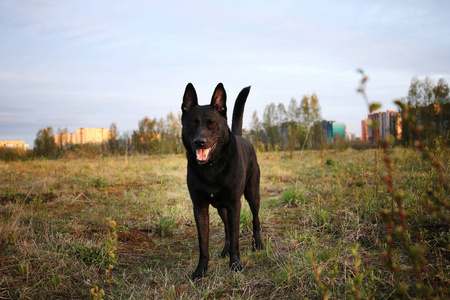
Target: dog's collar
x=216, y=160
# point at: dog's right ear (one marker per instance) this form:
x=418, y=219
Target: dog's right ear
x=189, y=99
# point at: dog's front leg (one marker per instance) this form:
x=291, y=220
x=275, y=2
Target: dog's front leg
x=201, y=214
x=234, y=213
x=224, y=216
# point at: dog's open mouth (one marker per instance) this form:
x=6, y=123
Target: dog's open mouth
x=204, y=154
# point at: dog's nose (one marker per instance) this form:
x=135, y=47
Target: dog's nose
x=200, y=142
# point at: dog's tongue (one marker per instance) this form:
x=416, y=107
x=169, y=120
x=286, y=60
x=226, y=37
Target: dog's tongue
x=202, y=154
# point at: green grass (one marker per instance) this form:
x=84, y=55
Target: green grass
x=53, y=232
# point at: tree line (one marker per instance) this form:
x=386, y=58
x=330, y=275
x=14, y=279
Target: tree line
x=153, y=136
x=297, y=126
x=158, y=136
x=429, y=103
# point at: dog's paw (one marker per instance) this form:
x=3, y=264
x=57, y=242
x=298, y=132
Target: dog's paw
x=236, y=266
x=226, y=250
x=201, y=269
x=198, y=274
x=257, y=245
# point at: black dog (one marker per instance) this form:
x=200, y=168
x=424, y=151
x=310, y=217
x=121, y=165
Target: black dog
x=222, y=167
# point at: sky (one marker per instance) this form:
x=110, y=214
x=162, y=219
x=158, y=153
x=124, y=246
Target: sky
x=74, y=64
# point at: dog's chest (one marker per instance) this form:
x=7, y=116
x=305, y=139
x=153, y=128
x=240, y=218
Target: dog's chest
x=224, y=198
x=214, y=192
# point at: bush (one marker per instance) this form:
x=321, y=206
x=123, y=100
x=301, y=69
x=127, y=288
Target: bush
x=8, y=154
x=361, y=145
x=81, y=151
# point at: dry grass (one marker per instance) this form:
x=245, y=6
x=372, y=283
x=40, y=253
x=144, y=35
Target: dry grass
x=52, y=228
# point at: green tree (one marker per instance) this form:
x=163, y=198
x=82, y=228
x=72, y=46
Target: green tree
x=310, y=111
x=315, y=108
x=270, y=126
x=280, y=119
x=293, y=112
x=113, y=142
x=171, y=134
x=414, y=96
x=146, y=138
x=305, y=110
x=295, y=129
x=45, y=145
x=441, y=92
x=430, y=105
x=316, y=130
x=319, y=140
x=62, y=139
x=161, y=135
x=125, y=144
x=256, y=134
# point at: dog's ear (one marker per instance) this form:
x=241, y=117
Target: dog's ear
x=219, y=100
x=189, y=99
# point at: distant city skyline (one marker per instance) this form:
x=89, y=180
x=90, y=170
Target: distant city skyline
x=91, y=63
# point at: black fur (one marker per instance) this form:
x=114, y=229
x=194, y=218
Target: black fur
x=221, y=175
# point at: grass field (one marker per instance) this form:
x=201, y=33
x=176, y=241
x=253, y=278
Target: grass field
x=315, y=208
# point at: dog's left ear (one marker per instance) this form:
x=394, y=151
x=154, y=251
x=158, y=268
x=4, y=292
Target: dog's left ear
x=219, y=100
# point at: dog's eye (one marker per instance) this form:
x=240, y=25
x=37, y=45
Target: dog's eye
x=212, y=125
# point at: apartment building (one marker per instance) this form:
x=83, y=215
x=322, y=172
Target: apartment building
x=84, y=136
x=333, y=129
x=14, y=145
x=390, y=122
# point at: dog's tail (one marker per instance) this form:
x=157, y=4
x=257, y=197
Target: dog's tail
x=238, y=111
